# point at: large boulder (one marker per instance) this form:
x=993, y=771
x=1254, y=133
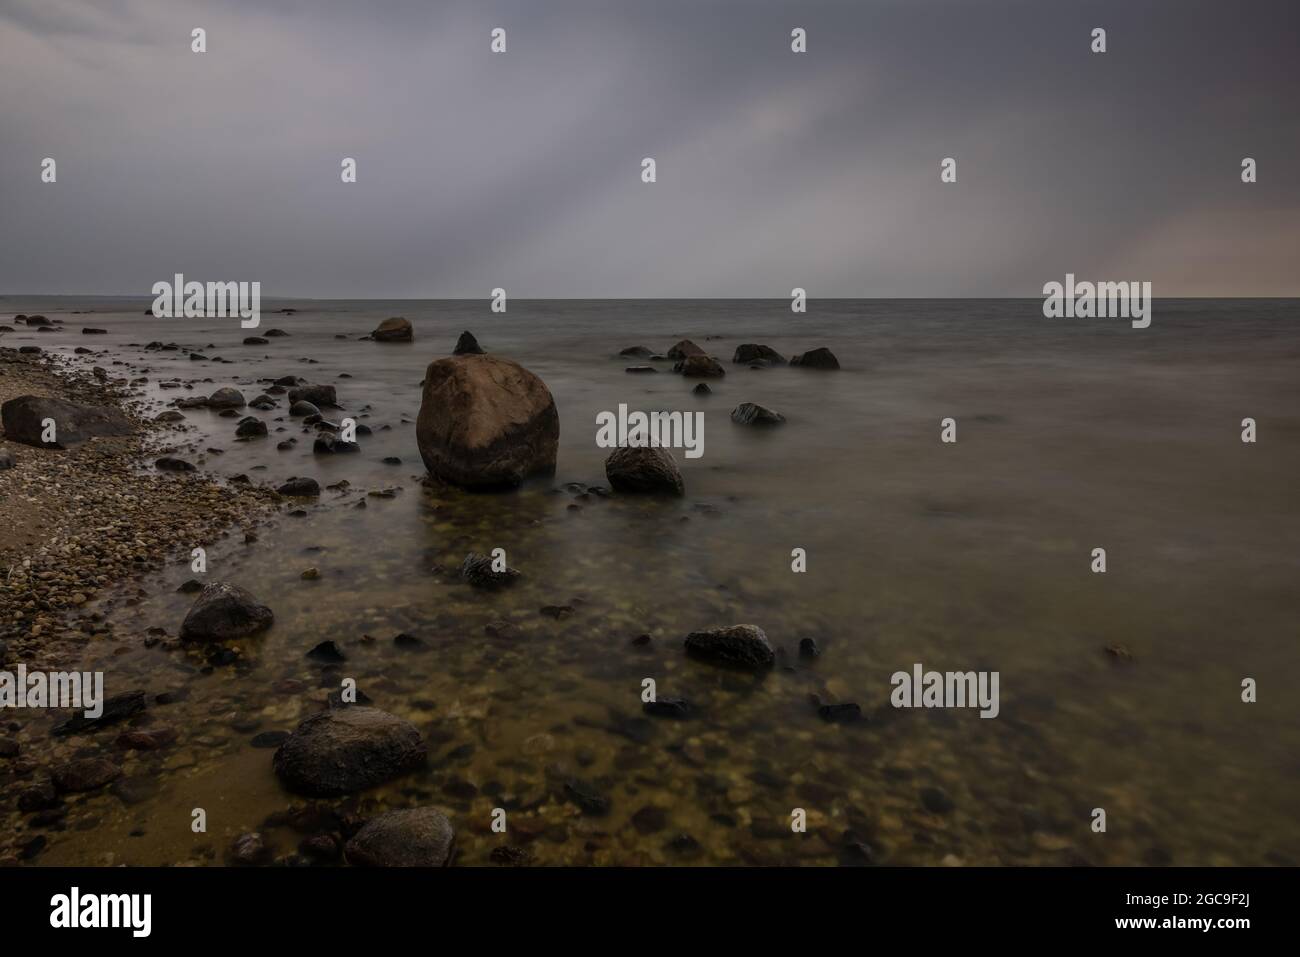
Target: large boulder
x=751, y=352
x=644, y=470
x=347, y=749
x=395, y=329
x=821, y=358
x=321, y=396
x=486, y=422
x=224, y=611
x=467, y=345
x=416, y=837
x=74, y=423
x=737, y=646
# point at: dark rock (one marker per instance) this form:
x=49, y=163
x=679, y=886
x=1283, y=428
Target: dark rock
x=256, y=341
x=936, y=801
x=224, y=611
x=477, y=570
x=750, y=413
x=326, y=651
x=700, y=367
x=467, y=345
x=753, y=352
x=839, y=713
x=738, y=646
x=300, y=487
x=269, y=739
x=169, y=464
x=321, y=396
x=347, y=749
x=509, y=855
x=808, y=648
x=486, y=422
x=586, y=797
x=641, y=370
x=636, y=352
x=263, y=402
x=226, y=399
x=249, y=849
x=116, y=708
x=702, y=388
x=321, y=848
x=171, y=415
x=821, y=358
x=74, y=423
x=6, y=460
x=683, y=349
x=329, y=444
x=88, y=331
x=395, y=329
x=644, y=469
x=650, y=819
x=85, y=774
x=415, y=837
x=40, y=796
x=678, y=708
x=250, y=428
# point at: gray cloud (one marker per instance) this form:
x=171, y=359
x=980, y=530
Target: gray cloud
x=775, y=170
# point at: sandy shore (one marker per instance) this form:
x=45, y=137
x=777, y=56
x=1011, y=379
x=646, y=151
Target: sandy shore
x=78, y=521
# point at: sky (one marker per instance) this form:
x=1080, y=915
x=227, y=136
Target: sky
x=775, y=169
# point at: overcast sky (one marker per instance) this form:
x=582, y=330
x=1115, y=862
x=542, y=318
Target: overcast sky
x=775, y=169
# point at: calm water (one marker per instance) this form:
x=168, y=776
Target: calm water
x=1071, y=435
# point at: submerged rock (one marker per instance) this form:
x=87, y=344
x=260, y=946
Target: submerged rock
x=477, y=570
x=395, y=329
x=683, y=349
x=321, y=396
x=486, y=422
x=300, y=487
x=330, y=444
x=169, y=464
x=738, y=646
x=415, y=837
x=700, y=367
x=226, y=399
x=303, y=408
x=250, y=428
x=23, y=419
x=224, y=611
x=644, y=470
x=85, y=774
x=750, y=413
x=821, y=358
x=347, y=749
x=117, y=708
x=753, y=352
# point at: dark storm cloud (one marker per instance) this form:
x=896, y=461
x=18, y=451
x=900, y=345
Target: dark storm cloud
x=775, y=170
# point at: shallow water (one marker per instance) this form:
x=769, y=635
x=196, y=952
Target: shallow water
x=1071, y=435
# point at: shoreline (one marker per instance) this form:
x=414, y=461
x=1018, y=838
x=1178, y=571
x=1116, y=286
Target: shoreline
x=111, y=519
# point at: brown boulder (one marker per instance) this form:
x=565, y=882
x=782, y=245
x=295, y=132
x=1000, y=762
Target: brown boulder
x=486, y=422
x=395, y=329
